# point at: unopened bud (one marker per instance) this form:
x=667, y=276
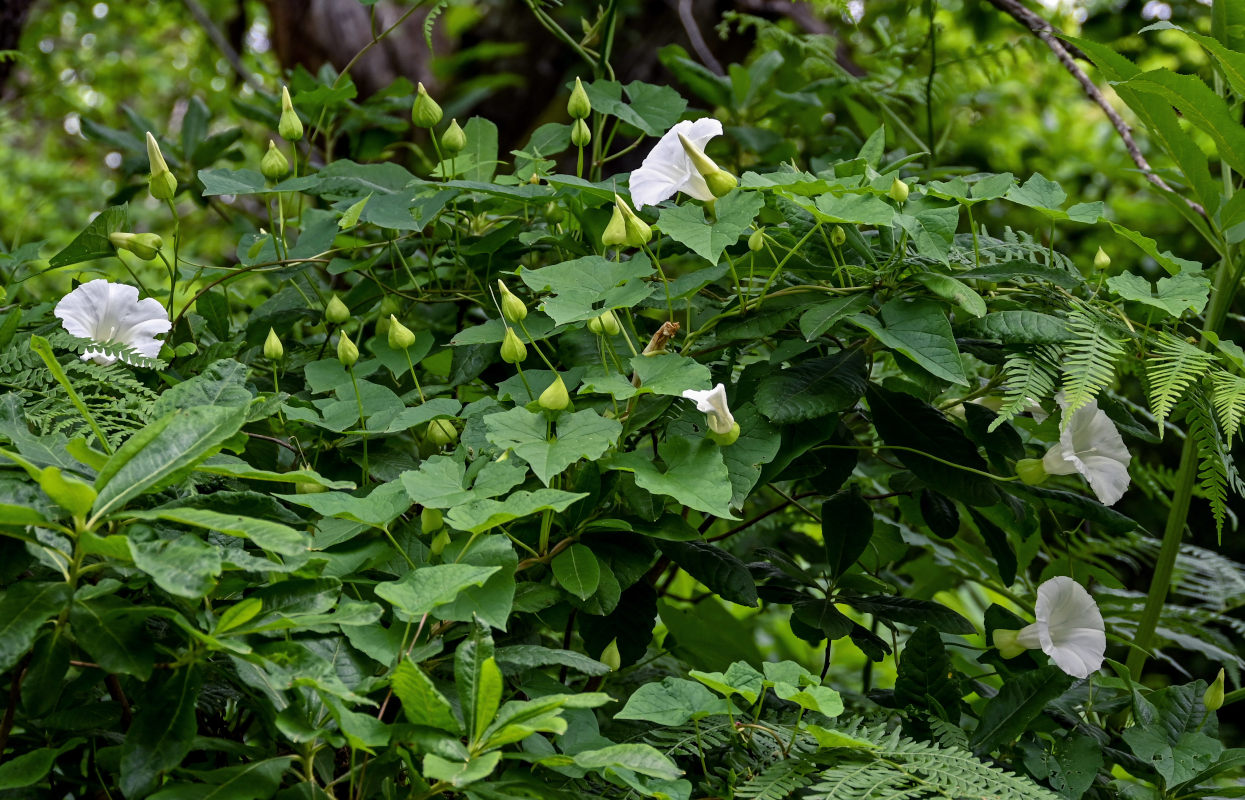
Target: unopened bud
x=719, y=181
x=512, y=308
x=594, y=326
x=1007, y=643
x=1031, y=471
x=347, y=352
x=756, y=241
x=898, y=191
x=838, y=236
x=442, y=432
x=430, y=519
x=578, y=106
x=724, y=439
x=336, y=311
x=581, y=135
x=638, y=231
x=162, y=184
x=290, y=127
x=1213, y=699
x=513, y=351
x=144, y=245
x=1101, y=259
x=273, y=351
x=610, y=656
x=616, y=231
x=609, y=324
x=555, y=398
x=454, y=139
x=439, y=542
x=400, y=336
x=274, y=165
x=425, y=112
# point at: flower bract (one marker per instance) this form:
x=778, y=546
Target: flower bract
x=668, y=170
x=111, y=313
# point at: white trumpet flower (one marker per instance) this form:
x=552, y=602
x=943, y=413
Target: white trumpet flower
x=1069, y=629
x=111, y=313
x=1091, y=446
x=713, y=403
x=668, y=170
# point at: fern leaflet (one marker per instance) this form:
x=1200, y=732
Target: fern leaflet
x=1089, y=362
x=778, y=780
x=1174, y=366
x=1028, y=378
x=1214, y=460
x=1228, y=397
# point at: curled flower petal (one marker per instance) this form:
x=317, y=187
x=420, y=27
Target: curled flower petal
x=667, y=170
x=1069, y=627
x=713, y=403
x=1091, y=446
x=111, y=313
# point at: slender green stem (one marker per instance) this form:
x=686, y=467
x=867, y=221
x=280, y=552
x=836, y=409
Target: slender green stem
x=411, y=365
x=362, y=424
x=922, y=453
x=44, y=349
x=662, y=273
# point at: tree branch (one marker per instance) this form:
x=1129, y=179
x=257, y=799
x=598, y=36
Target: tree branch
x=1066, y=53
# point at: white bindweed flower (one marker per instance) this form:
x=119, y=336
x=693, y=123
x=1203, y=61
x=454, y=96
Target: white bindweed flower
x=111, y=313
x=668, y=170
x=1069, y=629
x=1090, y=445
x=713, y=403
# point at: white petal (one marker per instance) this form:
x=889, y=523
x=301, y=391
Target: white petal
x=1055, y=462
x=1070, y=626
x=1107, y=477
x=713, y=403
x=112, y=313
x=667, y=170
x=1091, y=442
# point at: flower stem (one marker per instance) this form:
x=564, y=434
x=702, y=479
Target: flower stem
x=411, y=364
x=362, y=424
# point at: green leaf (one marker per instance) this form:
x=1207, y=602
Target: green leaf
x=426, y=588
x=379, y=508
x=926, y=679
x=27, y=769
x=1175, y=295
x=482, y=514
x=919, y=330
x=528, y=656
x=846, y=529
x=1173, y=264
x=1200, y=106
x=912, y=611
x=23, y=610
x=162, y=732
x=1019, y=327
x=185, y=566
x=813, y=388
x=470, y=675
x=583, y=434
x=1023, y=697
x=821, y=699
x=695, y=474
x=256, y=780
x=271, y=536
x=162, y=453
x=114, y=634
x=740, y=678
x=92, y=242
x=854, y=209
x=577, y=571
x=422, y=703
x=721, y=572
x=586, y=287
x=652, y=109
x=687, y=225
x=493, y=602
x=1039, y=193
x=642, y=759
x=461, y=773
x=233, y=467
x=673, y=701
x=223, y=383
x=227, y=181
x=949, y=288
x=822, y=317
x=931, y=231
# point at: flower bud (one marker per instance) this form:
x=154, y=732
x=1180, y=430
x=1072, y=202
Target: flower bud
x=610, y=656
x=273, y=351
x=757, y=240
x=454, y=139
x=144, y=245
x=513, y=351
x=347, y=352
x=336, y=311
x=898, y=191
x=430, y=519
x=162, y=184
x=555, y=398
x=1101, y=259
x=274, y=165
x=290, y=127
x=425, y=113
x=512, y=308
x=578, y=106
x=616, y=231
x=1031, y=471
x=724, y=439
x=309, y=488
x=581, y=135
x=442, y=432
x=609, y=323
x=1008, y=644
x=594, y=326
x=838, y=236
x=638, y=231
x=439, y=542
x=719, y=181
x=400, y=336
x=1213, y=699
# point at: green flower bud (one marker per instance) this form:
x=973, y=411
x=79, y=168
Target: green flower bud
x=581, y=135
x=1031, y=471
x=290, y=127
x=616, y=231
x=309, y=488
x=594, y=326
x=454, y=139
x=898, y=191
x=439, y=542
x=610, y=656
x=724, y=439
x=162, y=184
x=513, y=351
x=347, y=353
x=274, y=165
x=719, y=181
x=757, y=240
x=400, y=336
x=1007, y=645
x=273, y=351
x=442, y=432
x=609, y=324
x=430, y=519
x=578, y=106
x=554, y=213
x=1213, y=699
x=838, y=236
x=336, y=311
x=425, y=113
x=1101, y=259
x=512, y=308
x=144, y=245
x=638, y=231
x=555, y=398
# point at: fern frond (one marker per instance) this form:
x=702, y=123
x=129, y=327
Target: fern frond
x=1028, y=377
x=1214, y=459
x=778, y=780
x=1089, y=361
x=1174, y=365
x=1228, y=397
